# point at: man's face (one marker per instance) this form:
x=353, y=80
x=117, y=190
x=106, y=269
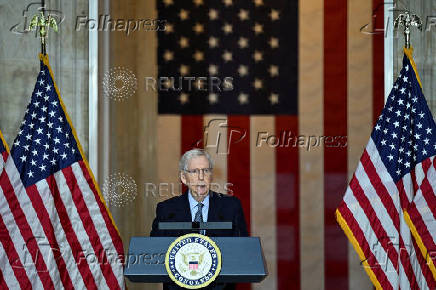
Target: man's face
x=198, y=177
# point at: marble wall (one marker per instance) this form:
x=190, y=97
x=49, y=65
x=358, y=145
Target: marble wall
x=19, y=63
x=424, y=44
x=129, y=127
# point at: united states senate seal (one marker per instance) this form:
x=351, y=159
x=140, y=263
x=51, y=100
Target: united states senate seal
x=193, y=261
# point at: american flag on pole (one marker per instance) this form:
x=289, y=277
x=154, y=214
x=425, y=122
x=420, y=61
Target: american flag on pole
x=421, y=211
x=396, y=173
x=56, y=231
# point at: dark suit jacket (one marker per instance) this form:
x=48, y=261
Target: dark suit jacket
x=222, y=208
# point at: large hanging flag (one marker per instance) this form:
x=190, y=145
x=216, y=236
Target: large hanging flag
x=61, y=233
x=295, y=78
x=396, y=172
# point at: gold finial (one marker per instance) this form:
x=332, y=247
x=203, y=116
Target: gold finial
x=407, y=20
x=43, y=23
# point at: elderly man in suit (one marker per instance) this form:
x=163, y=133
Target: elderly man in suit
x=199, y=203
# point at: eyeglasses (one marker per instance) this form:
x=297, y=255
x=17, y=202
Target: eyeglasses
x=196, y=171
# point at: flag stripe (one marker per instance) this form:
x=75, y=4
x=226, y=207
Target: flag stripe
x=378, y=87
x=43, y=200
x=335, y=123
x=376, y=224
x=393, y=211
x=102, y=233
x=113, y=232
x=380, y=189
x=353, y=230
x=215, y=143
x=13, y=264
x=191, y=134
x=263, y=196
x=168, y=152
x=74, y=237
x=287, y=201
x=77, y=198
x=427, y=191
x=377, y=260
x=50, y=234
x=238, y=166
x=238, y=171
x=359, y=109
x=26, y=223
x=310, y=121
x=417, y=221
x=23, y=261
x=3, y=284
x=423, y=267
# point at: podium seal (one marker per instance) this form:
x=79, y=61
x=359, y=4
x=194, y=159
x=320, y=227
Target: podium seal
x=193, y=261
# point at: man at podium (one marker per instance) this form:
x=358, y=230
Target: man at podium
x=199, y=203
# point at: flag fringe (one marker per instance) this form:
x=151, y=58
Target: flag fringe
x=2, y=139
x=341, y=221
x=45, y=60
x=409, y=53
x=421, y=245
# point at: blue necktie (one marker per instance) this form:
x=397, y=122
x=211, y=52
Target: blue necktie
x=199, y=216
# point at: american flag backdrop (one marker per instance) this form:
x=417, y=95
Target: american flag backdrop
x=298, y=70
x=55, y=229
x=395, y=172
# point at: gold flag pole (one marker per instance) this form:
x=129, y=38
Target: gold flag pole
x=407, y=20
x=43, y=23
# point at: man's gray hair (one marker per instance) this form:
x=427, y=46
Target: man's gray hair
x=183, y=163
